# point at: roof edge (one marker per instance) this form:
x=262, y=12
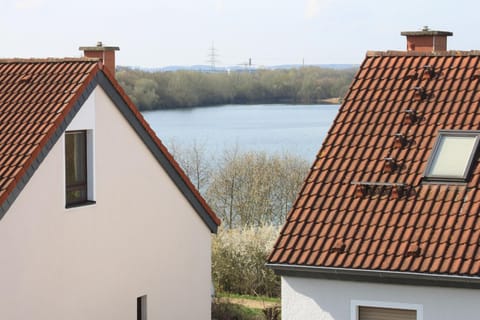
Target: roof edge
x=450, y=53
x=47, y=60
x=378, y=276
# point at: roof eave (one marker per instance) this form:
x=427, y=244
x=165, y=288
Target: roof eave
x=376, y=276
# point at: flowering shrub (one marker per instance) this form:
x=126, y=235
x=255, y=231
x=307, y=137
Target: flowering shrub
x=238, y=261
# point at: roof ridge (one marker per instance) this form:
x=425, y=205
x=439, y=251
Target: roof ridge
x=449, y=53
x=48, y=60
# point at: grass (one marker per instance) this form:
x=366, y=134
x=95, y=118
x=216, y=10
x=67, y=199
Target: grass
x=248, y=297
x=230, y=306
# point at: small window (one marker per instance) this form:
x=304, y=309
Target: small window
x=452, y=155
x=76, y=169
x=142, y=308
x=376, y=313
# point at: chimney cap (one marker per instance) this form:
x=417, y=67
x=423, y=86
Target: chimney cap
x=426, y=31
x=99, y=47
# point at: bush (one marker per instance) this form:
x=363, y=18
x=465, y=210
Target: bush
x=273, y=313
x=238, y=261
x=230, y=311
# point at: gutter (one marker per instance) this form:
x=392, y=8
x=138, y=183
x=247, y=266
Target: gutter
x=379, y=276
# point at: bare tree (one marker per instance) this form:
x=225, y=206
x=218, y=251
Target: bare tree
x=194, y=161
x=244, y=188
x=254, y=188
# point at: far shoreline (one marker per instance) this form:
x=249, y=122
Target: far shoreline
x=329, y=101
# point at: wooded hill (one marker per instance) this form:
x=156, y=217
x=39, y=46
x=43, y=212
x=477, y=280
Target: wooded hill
x=186, y=89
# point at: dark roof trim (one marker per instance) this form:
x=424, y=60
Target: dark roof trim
x=123, y=107
x=46, y=149
x=387, y=277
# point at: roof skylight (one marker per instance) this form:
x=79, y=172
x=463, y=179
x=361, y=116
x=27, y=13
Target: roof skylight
x=452, y=155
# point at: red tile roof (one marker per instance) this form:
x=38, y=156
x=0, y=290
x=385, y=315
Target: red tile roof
x=39, y=97
x=357, y=211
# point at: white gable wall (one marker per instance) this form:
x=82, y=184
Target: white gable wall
x=319, y=299
x=141, y=237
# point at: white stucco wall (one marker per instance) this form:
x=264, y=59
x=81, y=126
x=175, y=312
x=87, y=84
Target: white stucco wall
x=304, y=299
x=140, y=238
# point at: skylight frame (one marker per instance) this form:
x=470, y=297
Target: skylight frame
x=436, y=149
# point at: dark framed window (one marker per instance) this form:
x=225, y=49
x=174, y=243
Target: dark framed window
x=142, y=308
x=453, y=155
x=76, y=175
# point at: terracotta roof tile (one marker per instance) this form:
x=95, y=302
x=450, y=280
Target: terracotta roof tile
x=25, y=114
x=434, y=228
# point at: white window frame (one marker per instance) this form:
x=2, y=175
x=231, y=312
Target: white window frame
x=84, y=120
x=355, y=304
x=433, y=156
x=90, y=167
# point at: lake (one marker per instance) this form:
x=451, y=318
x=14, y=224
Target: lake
x=297, y=129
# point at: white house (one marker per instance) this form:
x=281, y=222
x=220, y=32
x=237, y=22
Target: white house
x=387, y=224
x=97, y=220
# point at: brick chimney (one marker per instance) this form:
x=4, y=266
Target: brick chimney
x=105, y=54
x=426, y=40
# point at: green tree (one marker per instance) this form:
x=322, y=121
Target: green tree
x=145, y=94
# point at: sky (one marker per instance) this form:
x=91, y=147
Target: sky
x=158, y=33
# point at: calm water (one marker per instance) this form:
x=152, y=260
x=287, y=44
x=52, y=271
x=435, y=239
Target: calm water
x=298, y=129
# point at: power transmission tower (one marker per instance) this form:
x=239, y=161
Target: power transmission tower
x=212, y=57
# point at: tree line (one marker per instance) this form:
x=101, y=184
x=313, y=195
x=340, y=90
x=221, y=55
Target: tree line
x=187, y=89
